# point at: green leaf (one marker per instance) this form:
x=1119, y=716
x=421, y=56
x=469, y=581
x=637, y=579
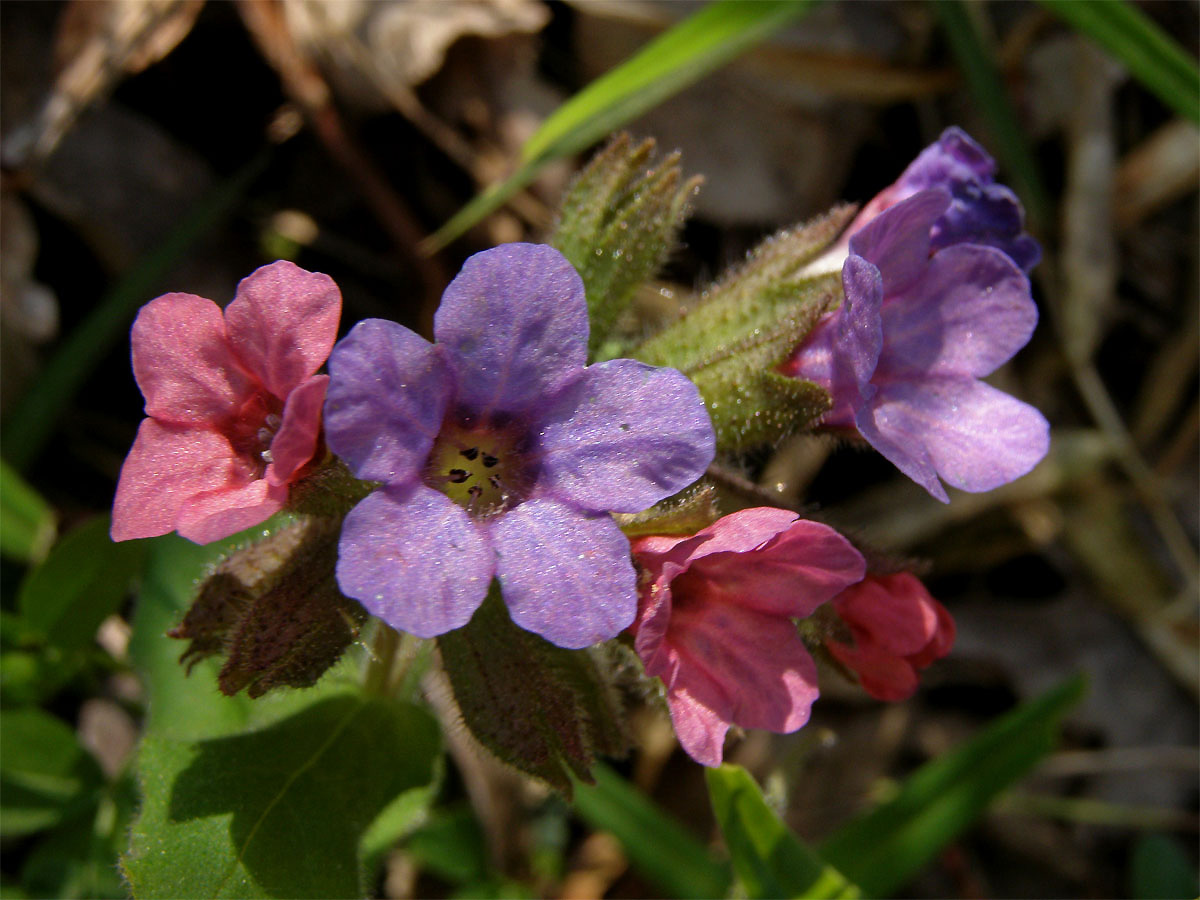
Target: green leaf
x=452, y=846
x=659, y=847
x=1154, y=59
x=882, y=849
x=26, y=520
x=769, y=860
x=540, y=708
x=692, y=49
x=277, y=812
x=45, y=774
x=84, y=579
x=1159, y=870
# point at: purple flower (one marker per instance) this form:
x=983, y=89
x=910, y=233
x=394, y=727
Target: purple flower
x=903, y=354
x=980, y=211
x=501, y=454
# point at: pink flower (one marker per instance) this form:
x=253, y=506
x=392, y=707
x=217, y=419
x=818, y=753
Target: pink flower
x=715, y=621
x=897, y=628
x=233, y=403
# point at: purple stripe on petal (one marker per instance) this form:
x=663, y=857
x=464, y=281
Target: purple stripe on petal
x=624, y=436
x=515, y=325
x=415, y=559
x=564, y=574
x=388, y=392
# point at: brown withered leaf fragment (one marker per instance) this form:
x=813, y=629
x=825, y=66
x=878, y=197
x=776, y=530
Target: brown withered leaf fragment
x=274, y=609
x=540, y=708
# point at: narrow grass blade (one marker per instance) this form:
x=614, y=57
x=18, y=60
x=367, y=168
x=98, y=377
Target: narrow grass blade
x=769, y=860
x=1154, y=59
x=27, y=524
x=882, y=849
x=983, y=79
x=695, y=47
x=30, y=424
x=658, y=846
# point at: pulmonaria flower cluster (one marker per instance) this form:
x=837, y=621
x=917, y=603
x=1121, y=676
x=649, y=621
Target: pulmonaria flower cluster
x=919, y=326
x=715, y=621
x=501, y=454
x=895, y=627
x=233, y=404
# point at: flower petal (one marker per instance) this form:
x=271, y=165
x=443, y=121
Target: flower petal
x=415, y=559
x=791, y=574
x=515, y=323
x=296, y=441
x=883, y=675
x=565, y=574
x=388, y=392
x=897, y=241
x=283, y=322
x=701, y=730
x=857, y=336
x=972, y=435
x=624, y=436
x=970, y=313
x=217, y=514
x=168, y=467
x=894, y=612
x=753, y=661
x=183, y=363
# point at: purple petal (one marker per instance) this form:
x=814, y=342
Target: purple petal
x=515, y=324
x=564, y=574
x=388, y=392
x=415, y=559
x=972, y=435
x=624, y=436
x=858, y=334
x=968, y=315
x=897, y=241
x=283, y=322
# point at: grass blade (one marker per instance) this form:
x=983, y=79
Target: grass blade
x=693, y=48
x=882, y=849
x=658, y=846
x=1154, y=59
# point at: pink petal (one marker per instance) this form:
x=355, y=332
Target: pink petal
x=701, y=731
x=565, y=574
x=797, y=570
x=883, y=675
x=515, y=324
x=748, y=666
x=282, y=324
x=893, y=612
x=227, y=510
x=296, y=441
x=183, y=363
x=415, y=559
x=167, y=467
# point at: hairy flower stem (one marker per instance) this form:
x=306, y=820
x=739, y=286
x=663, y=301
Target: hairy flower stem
x=378, y=670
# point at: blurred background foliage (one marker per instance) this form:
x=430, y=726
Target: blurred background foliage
x=156, y=145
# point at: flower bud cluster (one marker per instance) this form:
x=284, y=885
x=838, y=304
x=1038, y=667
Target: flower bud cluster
x=531, y=484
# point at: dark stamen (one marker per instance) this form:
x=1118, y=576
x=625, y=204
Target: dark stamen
x=475, y=490
x=470, y=453
x=494, y=481
x=458, y=476
x=489, y=460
